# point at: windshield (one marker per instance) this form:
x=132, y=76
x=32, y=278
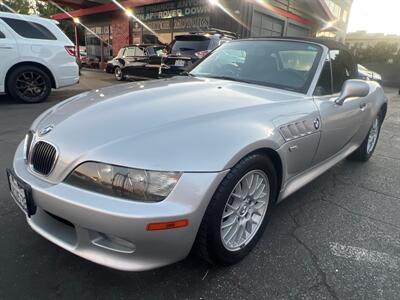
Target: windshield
x=284, y=64
x=159, y=51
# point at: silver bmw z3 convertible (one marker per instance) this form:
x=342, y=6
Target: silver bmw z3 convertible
x=136, y=176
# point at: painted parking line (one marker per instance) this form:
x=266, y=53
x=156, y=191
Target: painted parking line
x=361, y=254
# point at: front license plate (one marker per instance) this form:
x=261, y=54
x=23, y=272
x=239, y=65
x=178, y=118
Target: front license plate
x=21, y=193
x=179, y=63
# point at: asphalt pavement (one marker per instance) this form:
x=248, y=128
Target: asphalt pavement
x=337, y=238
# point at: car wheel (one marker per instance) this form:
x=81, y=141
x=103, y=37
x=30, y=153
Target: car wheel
x=367, y=148
x=118, y=74
x=29, y=84
x=239, y=211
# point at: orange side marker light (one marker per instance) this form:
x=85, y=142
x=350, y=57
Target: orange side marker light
x=167, y=225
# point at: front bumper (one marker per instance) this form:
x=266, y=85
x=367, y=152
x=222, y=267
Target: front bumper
x=110, y=68
x=112, y=231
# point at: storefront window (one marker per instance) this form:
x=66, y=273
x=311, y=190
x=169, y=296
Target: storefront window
x=169, y=19
x=326, y=34
x=97, y=30
x=99, y=42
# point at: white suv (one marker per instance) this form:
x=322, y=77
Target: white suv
x=35, y=56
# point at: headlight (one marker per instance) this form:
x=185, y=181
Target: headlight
x=134, y=184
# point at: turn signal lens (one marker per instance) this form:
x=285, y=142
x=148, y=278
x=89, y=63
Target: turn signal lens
x=168, y=225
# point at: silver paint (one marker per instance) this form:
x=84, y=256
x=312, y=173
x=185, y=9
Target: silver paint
x=201, y=127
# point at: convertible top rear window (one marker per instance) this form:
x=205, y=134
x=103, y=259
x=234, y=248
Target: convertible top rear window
x=282, y=64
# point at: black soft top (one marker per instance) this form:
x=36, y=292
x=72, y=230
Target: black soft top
x=331, y=44
x=144, y=45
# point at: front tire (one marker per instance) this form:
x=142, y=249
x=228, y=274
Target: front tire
x=29, y=84
x=238, y=212
x=367, y=148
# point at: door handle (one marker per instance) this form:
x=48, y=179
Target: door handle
x=6, y=47
x=362, y=106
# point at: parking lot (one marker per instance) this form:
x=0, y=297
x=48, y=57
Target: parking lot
x=337, y=238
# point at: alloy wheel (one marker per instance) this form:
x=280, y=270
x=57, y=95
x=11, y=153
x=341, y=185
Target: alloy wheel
x=245, y=210
x=118, y=73
x=373, y=136
x=31, y=84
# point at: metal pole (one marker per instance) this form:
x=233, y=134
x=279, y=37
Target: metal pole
x=102, y=55
x=77, y=51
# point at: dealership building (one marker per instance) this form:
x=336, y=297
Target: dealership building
x=110, y=25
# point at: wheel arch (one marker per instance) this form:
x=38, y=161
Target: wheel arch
x=114, y=67
x=276, y=161
x=31, y=63
x=200, y=246
x=275, y=158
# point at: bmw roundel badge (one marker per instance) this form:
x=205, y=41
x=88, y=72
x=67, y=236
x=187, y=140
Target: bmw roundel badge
x=46, y=130
x=316, y=123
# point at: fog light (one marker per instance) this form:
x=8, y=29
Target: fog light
x=114, y=243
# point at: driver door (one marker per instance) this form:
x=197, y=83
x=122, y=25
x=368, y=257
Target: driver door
x=339, y=123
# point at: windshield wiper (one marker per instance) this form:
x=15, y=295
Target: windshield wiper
x=186, y=73
x=267, y=84
x=225, y=78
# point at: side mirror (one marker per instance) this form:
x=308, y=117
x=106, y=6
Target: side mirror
x=353, y=88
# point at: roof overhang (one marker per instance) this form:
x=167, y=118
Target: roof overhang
x=318, y=10
x=78, y=4
x=97, y=6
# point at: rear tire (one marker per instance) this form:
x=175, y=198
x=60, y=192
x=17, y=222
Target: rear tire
x=219, y=243
x=29, y=84
x=367, y=148
x=118, y=74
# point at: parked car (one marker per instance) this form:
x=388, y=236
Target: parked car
x=93, y=62
x=187, y=49
x=82, y=61
x=142, y=60
x=159, y=167
x=36, y=56
x=366, y=74
x=84, y=58
x=145, y=64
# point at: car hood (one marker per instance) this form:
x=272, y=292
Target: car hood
x=138, y=117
